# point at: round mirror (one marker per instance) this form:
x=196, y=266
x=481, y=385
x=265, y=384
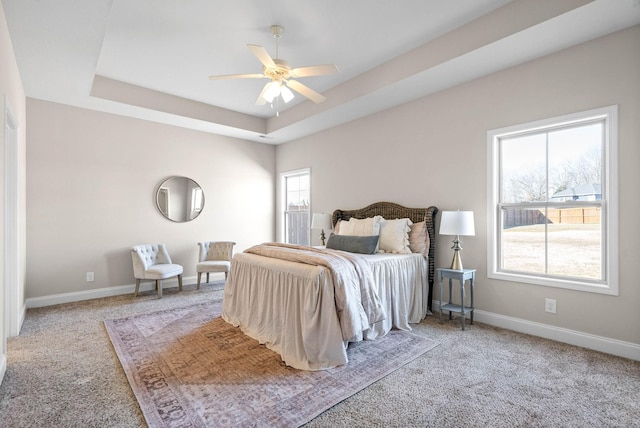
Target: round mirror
x=180, y=199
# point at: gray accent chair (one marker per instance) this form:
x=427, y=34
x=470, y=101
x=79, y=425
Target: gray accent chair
x=152, y=262
x=214, y=256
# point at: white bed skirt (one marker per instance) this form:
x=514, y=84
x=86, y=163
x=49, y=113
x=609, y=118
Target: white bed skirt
x=290, y=307
x=403, y=288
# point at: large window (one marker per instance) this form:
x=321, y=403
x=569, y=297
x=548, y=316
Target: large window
x=552, y=217
x=296, y=196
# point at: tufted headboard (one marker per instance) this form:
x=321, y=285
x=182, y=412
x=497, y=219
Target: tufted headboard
x=390, y=210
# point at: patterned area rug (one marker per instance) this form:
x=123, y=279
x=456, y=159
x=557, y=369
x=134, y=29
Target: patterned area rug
x=188, y=367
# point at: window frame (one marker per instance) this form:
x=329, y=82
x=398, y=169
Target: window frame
x=609, y=203
x=283, y=198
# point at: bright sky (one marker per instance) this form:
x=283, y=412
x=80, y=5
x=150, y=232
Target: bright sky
x=527, y=152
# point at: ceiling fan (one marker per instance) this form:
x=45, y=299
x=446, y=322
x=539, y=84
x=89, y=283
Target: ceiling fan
x=281, y=75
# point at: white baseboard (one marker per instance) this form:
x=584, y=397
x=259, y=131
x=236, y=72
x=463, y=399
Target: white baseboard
x=77, y=296
x=3, y=366
x=572, y=337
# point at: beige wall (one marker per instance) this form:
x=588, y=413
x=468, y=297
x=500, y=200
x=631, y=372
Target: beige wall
x=11, y=87
x=91, y=181
x=434, y=152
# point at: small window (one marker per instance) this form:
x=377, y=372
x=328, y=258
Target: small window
x=296, y=195
x=553, y=202
x=197, y=199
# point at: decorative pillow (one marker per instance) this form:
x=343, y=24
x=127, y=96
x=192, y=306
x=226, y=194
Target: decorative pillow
x=353, y=244
x=394, y=236
x=361, y=227
x=419, y=239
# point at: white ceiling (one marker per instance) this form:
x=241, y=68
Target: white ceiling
x=150, y=59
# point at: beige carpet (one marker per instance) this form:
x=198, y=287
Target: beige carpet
x=62, y=372
x=187, y=367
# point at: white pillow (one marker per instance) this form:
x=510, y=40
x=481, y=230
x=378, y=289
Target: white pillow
x=394, y=236
x=361, y=227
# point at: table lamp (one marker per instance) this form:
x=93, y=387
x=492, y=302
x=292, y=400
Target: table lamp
x=457, y=223
x=321, y=221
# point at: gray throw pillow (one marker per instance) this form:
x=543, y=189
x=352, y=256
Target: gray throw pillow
x=353, y=244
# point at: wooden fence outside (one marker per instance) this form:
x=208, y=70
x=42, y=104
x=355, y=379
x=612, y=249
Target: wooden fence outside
x=514, y=217
x=589, y=215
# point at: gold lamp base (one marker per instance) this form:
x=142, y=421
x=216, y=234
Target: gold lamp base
x=456, y=263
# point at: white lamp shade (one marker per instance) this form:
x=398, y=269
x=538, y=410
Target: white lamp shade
x=457, y=223
x=321, y=221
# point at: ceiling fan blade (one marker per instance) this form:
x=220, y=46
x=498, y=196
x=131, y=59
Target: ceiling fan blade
x=262, y=54
x=305, y=90
x=238, y=76
x=315, y=70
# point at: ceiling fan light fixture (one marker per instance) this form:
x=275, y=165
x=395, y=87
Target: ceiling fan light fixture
x=282, y=75
x=286, y=93
x=272, y=92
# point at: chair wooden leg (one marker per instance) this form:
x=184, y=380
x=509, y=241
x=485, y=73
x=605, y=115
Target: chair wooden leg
x=159, y=287
x=207, y=277
x=199, y=275
x=226, y=275
x=137, y=287
x=179, y=282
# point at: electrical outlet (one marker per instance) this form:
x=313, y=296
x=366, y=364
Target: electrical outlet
x=90, y=277
x=550, y=305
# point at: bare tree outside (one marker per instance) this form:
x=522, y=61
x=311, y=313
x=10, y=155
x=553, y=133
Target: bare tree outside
x=530, y=185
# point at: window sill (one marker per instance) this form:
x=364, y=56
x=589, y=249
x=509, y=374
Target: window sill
x=589, y=287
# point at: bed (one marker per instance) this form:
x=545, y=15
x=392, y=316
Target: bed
x=309, y=303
